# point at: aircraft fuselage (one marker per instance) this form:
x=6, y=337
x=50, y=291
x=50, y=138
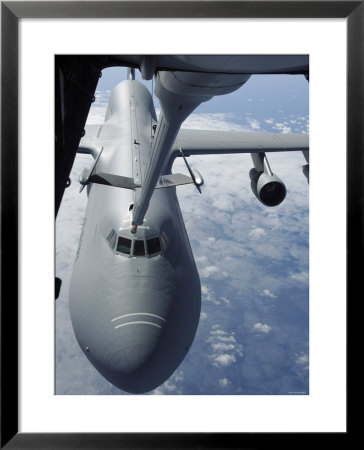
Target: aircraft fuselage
x=135, y=299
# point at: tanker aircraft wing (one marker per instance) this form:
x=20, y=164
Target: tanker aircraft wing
x=204, y=142
x=265, y=184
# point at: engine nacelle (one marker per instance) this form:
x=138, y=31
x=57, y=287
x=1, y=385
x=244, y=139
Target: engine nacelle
x=268, y=189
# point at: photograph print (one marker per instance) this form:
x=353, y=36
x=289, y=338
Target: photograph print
x=182, y=225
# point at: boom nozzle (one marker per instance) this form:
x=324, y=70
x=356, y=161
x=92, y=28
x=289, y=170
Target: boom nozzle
x=131, y=73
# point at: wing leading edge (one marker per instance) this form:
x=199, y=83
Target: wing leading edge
x=203, y=142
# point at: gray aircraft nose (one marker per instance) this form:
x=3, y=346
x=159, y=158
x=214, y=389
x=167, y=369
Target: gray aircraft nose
x=134, y=361
x=138, y=369
x=132, y=358
x=127, y=328
x=131, y=349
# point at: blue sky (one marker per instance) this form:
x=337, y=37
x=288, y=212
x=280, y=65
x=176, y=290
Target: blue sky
x=253, y=261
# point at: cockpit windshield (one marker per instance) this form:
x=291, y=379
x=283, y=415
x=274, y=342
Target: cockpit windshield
x=124, y=245
x=154, y=246
x=138, y=247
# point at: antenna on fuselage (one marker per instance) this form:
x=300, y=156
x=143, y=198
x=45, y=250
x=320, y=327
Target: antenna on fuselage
x=131, y=73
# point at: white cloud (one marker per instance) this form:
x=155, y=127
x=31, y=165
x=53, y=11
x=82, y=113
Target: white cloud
x=226, y=338
x=224, y=382
x=210, y=121
x=224, y=347
x=303, y=361
x=206, y=272
x=225, y=300
x=262, y=328
x=268, y=293
x=301, y=277
x=254, y=124
x=223, y=359
x=220, y=203
x=205, y=290
x=201, y=259
x=257, y=233
x=283, y=128
x=172, y=386
x=208, y=295
x=221, y=346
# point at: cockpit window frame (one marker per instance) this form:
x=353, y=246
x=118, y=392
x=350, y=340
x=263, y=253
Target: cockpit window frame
x=121, y=252
x=159, y=245
x=133, y=245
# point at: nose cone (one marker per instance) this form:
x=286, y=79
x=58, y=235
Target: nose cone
x=134, y=330
x=138, y=369
x=125, y=334
x=134, y=360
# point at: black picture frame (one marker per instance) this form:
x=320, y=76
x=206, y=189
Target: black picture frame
x=11, y=12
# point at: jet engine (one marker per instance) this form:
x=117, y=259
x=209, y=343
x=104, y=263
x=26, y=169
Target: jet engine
x=266, y=186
